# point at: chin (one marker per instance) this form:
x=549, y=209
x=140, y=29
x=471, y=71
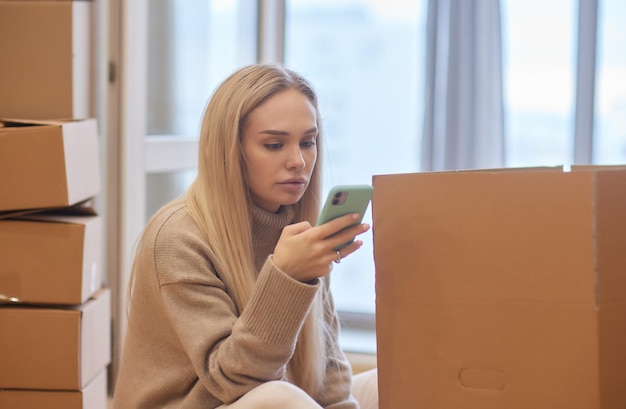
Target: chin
x=293, y=200
x=274, y=204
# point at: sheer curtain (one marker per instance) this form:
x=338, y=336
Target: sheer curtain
x=463, y=119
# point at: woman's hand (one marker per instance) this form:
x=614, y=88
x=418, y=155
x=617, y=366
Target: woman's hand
x=305, y=252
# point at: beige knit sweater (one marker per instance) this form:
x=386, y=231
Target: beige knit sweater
x=186, y=346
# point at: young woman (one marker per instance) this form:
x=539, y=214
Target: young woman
x=230, y=304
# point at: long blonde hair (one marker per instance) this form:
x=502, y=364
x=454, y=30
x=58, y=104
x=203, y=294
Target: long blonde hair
x=219, y=199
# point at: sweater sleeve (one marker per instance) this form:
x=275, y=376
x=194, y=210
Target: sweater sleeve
x=231, y=354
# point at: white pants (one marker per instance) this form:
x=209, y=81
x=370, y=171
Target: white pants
x=276, y=394
x=365, y=389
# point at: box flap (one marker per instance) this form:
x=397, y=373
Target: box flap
x=610, y=188
x=587, y=168
x=610, y=222
x=85, y=208
x=17, y=213
x=18, y=122
x=54, y=217
x=557, y=168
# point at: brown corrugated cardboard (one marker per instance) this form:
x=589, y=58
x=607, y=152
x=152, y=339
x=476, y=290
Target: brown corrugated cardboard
x=501, y=289
x=50, y=259
x=55, y=348
x=46, y=69
x=93, y=396
x=48, y=164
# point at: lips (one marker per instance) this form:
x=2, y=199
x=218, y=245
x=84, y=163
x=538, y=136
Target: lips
x=294, y=181
x=294, y=185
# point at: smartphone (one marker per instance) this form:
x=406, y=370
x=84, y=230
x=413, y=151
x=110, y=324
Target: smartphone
x=345, y=199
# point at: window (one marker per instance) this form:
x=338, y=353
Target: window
x=192, y=46
x=539, y=75
x=610, y=109
x=540, y=66
x=365, y=60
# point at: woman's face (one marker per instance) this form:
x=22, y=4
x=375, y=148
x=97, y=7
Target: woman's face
x=279, y=148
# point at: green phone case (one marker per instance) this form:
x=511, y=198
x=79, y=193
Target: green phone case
x=345, y=199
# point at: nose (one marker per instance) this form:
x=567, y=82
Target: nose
x=295, y=159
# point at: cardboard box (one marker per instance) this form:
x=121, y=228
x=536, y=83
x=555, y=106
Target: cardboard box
x=93, y=396
x=48, y=164
x=49, y=348
x=501, y=289
x=50, y=259
x=47, y=64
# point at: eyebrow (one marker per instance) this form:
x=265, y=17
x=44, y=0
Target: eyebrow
x=283, y=133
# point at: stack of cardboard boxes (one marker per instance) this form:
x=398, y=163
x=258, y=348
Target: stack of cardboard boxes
x=55, y=342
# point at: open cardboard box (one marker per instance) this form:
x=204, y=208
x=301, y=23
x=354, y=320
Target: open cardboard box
x=55, y=348
x=501, y=289
x=51, y=258
x=47, y=164
x=93, y=396
x=47, y=59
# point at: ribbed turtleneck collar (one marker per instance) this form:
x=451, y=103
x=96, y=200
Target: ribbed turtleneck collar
x=266, y=229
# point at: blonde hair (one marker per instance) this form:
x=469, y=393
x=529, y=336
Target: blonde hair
x=219, y=200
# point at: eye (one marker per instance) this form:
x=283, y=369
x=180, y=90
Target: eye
x=308, y=143
x=274, y=146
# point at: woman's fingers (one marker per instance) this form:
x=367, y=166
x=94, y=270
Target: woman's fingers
x=347, y=235
x=347, y=250
x=305, y=252
x=331, y=227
